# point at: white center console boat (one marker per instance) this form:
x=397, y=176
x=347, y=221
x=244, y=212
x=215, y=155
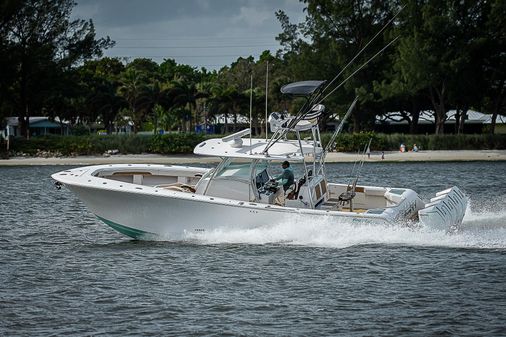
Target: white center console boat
x=168, y=202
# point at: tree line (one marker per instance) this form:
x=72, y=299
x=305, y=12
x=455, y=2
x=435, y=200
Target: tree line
x=438, y=55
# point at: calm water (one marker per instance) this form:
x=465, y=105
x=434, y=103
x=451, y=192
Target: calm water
x=62, y=272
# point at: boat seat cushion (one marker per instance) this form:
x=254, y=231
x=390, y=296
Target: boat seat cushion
x=377, y=191
x=177, y=187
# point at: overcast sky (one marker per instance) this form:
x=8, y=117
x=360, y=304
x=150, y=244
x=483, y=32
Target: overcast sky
x=201, y=33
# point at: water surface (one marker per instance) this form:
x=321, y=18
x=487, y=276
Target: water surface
x=63, y=272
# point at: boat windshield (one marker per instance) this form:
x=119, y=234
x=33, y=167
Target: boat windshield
x=262, y=178
x=236, y=170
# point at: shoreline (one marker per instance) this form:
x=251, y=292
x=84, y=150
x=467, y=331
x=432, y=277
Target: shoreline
x=333, y=157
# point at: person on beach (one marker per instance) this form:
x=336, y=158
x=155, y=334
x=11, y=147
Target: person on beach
x=415, y=148
x=368, y=152
x=402, y=148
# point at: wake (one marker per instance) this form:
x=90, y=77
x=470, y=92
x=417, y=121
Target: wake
x=486, y=230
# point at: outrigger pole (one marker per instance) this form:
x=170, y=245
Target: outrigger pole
x=360, y=52
x=316, y=97
x=332, y=140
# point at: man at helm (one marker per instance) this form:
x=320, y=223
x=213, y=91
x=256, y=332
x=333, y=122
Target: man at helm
x=286, y=178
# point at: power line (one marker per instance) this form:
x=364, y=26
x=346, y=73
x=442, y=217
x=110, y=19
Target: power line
x=174, y=56
x=200, y=37
x=194, y=47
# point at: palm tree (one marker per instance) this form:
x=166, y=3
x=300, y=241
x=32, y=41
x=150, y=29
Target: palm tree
x=98, y=82
x=167, y=119
x=220, y=103
x=158, y=99
x=184, y=94
x=133, y=88
x=204, y=89
x=106, y=102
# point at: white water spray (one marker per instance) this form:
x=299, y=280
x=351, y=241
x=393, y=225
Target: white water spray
x=479, y=230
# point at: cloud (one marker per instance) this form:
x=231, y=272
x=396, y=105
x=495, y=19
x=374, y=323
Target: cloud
x=133, y=12
x=181, y=29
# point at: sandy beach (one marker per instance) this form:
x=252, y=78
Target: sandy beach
x=464, y=155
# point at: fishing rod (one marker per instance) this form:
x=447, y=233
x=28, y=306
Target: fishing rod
x=300, y=116
x=316, y=98
x=350, y=190
x=335, y=134
x=358, y=69
x=340, y=127
x=364, y=48
x=368, y=146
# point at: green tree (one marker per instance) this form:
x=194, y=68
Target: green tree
x=164, y=118
x=145, y=66
x=8, y=8
x=170, y=70
x=158, y=100
x=100, y=82
x=494, y=98
x=440, y=57
x=184, y=95
x=133, y=88
x=220, y=103
x=397, y=91
x=335, y=32
x=44, y=42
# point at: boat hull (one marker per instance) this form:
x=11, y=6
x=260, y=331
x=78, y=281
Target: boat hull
x=147, y=216
x=158, y=202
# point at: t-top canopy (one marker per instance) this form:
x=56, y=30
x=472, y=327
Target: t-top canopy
x=253, y=149
x=302, y=88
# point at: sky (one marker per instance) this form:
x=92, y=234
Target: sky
x=200, y=33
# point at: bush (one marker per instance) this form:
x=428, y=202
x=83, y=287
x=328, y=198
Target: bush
x=391, y=142
x=48, y=143
x=346, y=142
x=124, y=143
x=175, y=142
x=82, y=145
x=185, y=143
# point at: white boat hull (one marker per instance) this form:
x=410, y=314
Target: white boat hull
x=153, y=212
x=146, y=216
x=144, y=212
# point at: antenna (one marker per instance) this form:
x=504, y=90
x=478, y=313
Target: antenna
x=250, y=110
x=266, y=97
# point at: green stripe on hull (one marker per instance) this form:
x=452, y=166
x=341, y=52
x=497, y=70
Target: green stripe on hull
x=131, y=232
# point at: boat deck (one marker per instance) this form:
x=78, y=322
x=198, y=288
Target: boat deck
x=333, y=204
